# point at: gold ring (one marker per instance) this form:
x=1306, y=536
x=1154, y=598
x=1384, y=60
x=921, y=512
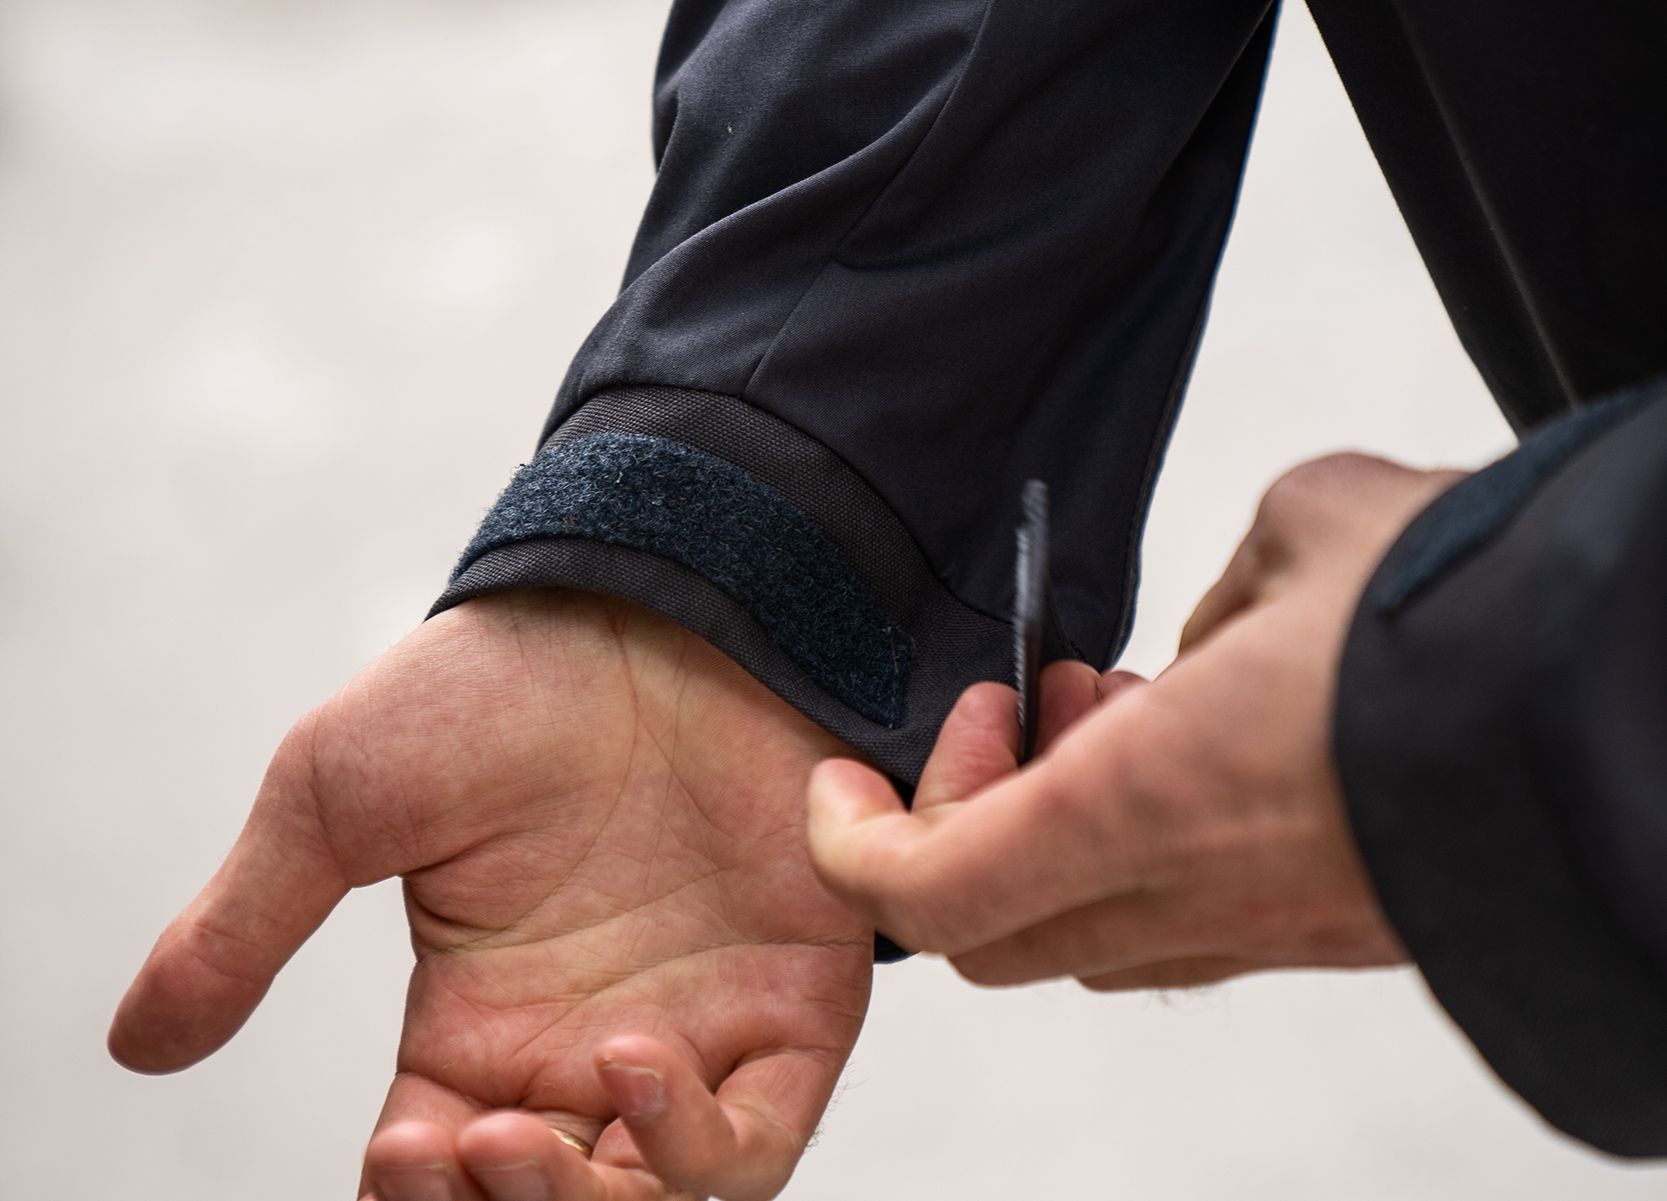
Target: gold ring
x=574, y=1141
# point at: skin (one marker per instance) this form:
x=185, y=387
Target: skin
x=618, y=932
x=1171, y=833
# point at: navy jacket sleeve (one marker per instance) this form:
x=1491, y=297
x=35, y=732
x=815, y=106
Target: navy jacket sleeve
x=1502, y=739
x=1502, y=711
x=898, y=258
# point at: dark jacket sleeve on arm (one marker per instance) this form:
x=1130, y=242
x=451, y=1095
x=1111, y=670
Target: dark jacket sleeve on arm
x=898, y=258
x=1502, y=738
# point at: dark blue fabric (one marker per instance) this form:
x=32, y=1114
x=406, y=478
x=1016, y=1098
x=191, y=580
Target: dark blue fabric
x=1599, y=702
x=1473, y=511
x=1499, y=740
x=658, y=495
x=1523, y=142
x=961, y=244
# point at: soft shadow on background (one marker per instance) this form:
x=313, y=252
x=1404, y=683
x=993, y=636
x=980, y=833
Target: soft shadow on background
x=284, y=290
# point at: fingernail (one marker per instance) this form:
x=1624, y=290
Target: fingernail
x=513, y=1182
x=414, y=1184
x=639, y=1092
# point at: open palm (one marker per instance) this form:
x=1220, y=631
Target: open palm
x=599, y=821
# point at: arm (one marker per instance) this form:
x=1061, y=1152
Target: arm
x=1503, y=699
x=1498, y=715
x=898, y=258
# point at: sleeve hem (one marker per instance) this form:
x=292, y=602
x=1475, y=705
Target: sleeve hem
x=759, y=539
x=1436, y=747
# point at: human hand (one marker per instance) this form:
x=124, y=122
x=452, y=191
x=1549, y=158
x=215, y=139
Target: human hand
x=599, y=821
x=1173, y=833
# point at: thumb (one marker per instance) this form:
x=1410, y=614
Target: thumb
x=215, y=961
x=856, y=825
x=977, y=745
x=979, y=741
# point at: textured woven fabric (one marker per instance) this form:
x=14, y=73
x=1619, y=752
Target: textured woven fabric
x=952, y=645
x=660, y=496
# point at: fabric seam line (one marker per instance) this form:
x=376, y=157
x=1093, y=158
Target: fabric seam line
x=856, y=475
x=884, y=190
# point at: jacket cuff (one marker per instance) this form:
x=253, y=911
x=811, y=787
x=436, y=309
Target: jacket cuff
x=758, y=538
x=1441, y=747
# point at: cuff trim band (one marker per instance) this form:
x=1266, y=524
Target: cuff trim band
x=661, y=496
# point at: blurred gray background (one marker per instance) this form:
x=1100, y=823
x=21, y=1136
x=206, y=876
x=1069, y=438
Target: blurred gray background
x=284, y=291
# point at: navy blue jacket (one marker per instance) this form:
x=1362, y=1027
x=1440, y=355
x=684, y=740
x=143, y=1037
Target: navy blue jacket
x=900, y=257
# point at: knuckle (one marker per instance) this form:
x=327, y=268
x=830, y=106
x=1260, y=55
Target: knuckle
x=1350, y=462
x=302, y=755
x=1285, y=499
x=986, y=703
x=987, y=969
x=1077, y=795
x=297, y=779
x=1318, y=482
x=1053, y=789
x=326, y=787
x=223, y=951
x=1135, y=811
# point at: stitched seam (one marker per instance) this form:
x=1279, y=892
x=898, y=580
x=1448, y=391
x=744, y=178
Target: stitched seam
x=1164, y=432
x=845, y=464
